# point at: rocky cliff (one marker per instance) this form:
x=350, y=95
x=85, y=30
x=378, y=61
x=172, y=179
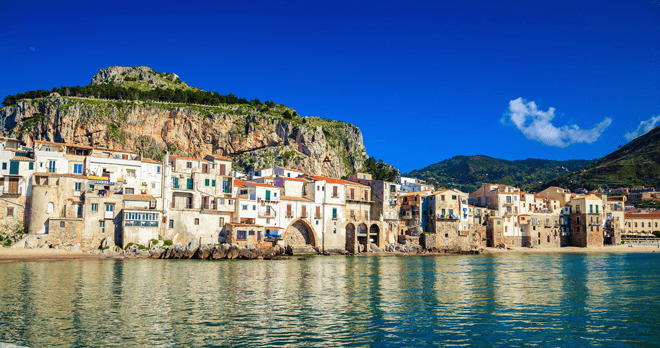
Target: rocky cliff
x=254, y=139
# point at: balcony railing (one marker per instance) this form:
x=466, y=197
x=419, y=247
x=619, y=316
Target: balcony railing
x=304, y=214
x=267, y=213
x=209, y=206
x=289, y=214
x=317, y=216
x=447, y=217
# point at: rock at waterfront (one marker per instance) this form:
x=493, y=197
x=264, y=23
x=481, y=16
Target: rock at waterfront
x=233, y=252
x=156, y=253
x=203, y=252
x=108, y=242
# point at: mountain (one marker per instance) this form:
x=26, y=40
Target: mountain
x=138, y=109
x=634, y=164
x=466, y=173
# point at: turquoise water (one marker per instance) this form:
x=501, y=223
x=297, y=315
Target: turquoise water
x=554, y=300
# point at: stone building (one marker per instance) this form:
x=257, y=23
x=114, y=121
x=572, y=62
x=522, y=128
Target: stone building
x=197, y=198
x=17, y=167
x=245, y=234
x=586, y=222
x=504, y=202
x=540, y=229
x=641, y=224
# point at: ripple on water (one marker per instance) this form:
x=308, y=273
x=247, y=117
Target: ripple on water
x=496, y=300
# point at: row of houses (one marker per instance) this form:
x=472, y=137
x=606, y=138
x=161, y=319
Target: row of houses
x=74, y=194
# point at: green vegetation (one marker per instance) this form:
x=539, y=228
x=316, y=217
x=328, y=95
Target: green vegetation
x=118, y=92
x=634, y=164
x=467, y=173
x=29, y=124
x=167, y=242
x=380, y=170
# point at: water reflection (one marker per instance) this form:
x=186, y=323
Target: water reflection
x=495, y=300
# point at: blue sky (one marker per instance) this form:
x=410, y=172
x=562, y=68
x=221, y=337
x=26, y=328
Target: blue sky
x=424, y=81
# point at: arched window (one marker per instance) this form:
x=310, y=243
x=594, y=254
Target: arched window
x=50, y=208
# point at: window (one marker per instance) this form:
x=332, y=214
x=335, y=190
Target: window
x=50, y=208
x=4, y=165
x=77, y=169
x=213, y=183
x=334, y=231
x=51, y=166
x=251, y=233
x=109, y=207
x=130, y=173
x=334, y=213
x=190, y=184
x=274, y=194
x=153, y=185
x=196, y=221
x=62, y=224
x=188, y=164
x=254, y=207
x=207, y=182
x=453, y=197
x=102, y=226
x=222, y=222
x=591, y=208
x=130, y=191
x=158, y=169
x=241, y=235
x=78, y=186
x=171, y=224
x=244, y=207
x=596, y=209
x=175, y=183
x=442, y=197
x=10, y=211
x=334, y=192
x=95, y=207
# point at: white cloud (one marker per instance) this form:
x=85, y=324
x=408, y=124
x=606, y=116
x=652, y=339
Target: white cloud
x=536, y=125
x=643, y=128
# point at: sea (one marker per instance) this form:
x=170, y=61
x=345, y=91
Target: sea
x=497, y=300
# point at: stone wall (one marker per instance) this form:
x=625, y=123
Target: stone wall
x=67, y=232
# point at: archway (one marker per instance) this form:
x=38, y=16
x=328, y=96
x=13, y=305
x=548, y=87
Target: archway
x=350, y=237
x=374, y=234
x=362, y=236
x=299, y=233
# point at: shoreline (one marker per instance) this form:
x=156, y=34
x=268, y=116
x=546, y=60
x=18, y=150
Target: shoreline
x=42, y=255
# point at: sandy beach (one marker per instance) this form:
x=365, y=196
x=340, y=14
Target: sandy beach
x=627, y=248
x=9, y=255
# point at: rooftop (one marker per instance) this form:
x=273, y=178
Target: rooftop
x=291, y=198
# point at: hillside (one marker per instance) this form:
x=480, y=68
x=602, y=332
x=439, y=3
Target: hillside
x=466, y=173
x=633, y=164
x=148, y=112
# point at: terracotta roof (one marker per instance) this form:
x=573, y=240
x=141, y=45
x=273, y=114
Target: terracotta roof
x=274, y=228
x=642, y=216
x=239, y=183
x=291, y=169
x=139, y=198
x=260, y=184
x=22, y=158
x=240, y=224
x=82, y=146
x=333, y=180
x=149, y=160
x=188, y=158
x=589, y=196
x=540, y=197
x=295, y=179
x=220, y=157
x=291, y=198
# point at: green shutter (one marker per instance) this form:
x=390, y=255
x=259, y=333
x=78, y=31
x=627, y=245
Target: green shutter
x=190, y=184
x=31, y=166
x=13, y=167
x=334, y=213
x=213, y=183
x=206, y=182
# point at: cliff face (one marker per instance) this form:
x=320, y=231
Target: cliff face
x=254, y=139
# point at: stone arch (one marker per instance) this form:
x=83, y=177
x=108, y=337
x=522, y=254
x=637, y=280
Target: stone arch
x=351, y=237
x=374, y=233
x=362, y=234
x=300, y=232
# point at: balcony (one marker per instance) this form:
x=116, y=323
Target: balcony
x=509, y=204
x=304, y=214
x=16, y=191
x=267, y=213
x=289, y=215
x=317, y=216
x=447, y=217
x=182, y=206
x=209, y=206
